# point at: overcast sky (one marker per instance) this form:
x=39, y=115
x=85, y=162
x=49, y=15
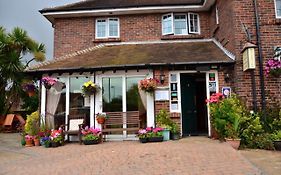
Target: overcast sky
x=24, y=14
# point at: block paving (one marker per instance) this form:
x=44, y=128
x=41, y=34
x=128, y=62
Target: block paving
x=188, y=156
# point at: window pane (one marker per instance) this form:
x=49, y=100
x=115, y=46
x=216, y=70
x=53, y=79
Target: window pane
x=167, y=24
x=78, y=103
x=60, y=111
x=112, y=94
x=180, y=24
x=194, y=23
x=113, y=27
x=278, y=7
x=101, y=28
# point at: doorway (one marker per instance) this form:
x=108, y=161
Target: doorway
x=194, y=109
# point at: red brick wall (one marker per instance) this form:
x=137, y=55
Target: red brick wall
x=73, y=34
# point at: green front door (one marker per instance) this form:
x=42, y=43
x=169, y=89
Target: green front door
x=188, y=104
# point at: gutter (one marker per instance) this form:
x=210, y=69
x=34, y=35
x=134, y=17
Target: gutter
x=260, y=58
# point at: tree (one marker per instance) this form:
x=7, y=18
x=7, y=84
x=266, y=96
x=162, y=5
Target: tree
x=13, y=47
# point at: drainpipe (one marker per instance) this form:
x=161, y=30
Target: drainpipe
x=260, y=57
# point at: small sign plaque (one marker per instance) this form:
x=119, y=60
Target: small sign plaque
x=161, y=95
x=226, y=92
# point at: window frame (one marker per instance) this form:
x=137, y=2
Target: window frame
x=172, y=16
x=276, y=14
x=186, y=24
x=107, y=28
x=198, y=24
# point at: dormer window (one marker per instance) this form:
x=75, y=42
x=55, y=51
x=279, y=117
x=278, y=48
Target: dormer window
x=278, y=8
x=180, y=24
x=107, y=28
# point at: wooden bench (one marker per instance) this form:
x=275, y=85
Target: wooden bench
x=121, y=121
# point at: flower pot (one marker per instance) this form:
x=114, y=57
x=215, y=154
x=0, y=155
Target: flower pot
x=31, y=93
x=166, y=134
x=100, y=120
x=277, y=145
x=36, y=142
x=47, y=144
x=175, y=136
x=91, y=142
x=23, y=142
x=55, y=144
x=28, y=142
x=235, y=143
x=143, y=140
x=155, y=139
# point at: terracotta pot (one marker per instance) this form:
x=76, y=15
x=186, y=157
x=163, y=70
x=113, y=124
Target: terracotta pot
x=235, y=143
x=100, y=120
x=31, y=93
x=28, y=142
x=36, y=142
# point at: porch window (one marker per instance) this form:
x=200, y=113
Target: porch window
x=107, y=28
x=112, y=94
x=193, y=23
x=278, y=8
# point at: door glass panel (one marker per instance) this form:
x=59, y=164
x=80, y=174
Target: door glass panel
x=60, y=111
x=112, y=94
x=78, y=103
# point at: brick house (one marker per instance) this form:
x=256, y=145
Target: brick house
x=192, y=46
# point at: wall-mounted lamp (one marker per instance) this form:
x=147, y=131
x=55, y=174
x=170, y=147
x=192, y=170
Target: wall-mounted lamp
x=226, y=77
x=249, y=58
x=162, y=78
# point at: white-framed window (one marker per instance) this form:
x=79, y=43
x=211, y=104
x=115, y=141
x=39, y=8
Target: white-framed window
x=278, y=8
x=107, y=28
x=194, y=23
x=167, y=24
x=180, y=24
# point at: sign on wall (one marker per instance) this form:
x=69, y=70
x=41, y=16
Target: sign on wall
x=226, y=92
x=161, y=95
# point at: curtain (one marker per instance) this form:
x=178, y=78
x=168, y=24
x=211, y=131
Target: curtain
x=143, y=98
x=53, y=98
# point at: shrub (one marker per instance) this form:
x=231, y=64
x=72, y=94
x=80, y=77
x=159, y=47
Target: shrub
x=163, y=119
x=32, y=123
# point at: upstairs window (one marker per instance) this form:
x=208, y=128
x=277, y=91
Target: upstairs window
x=107, y=28
x=193, y=23
x=167, y=24
x=180, y=24
x=278, y=8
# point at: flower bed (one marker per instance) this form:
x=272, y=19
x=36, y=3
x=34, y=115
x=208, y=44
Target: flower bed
x=91, y=135
x=150, y=135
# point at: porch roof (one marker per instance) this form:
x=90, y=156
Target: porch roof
x=128, y=55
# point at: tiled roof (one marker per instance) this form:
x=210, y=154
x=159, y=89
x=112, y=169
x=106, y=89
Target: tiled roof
x=112, y=4
x=140, y=54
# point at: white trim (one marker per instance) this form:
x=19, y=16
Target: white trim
x=276, y=14
x=150, y=118
x=124, y=103
x=92, y=106
x=67, y=98
x=43, y=103
x=198, y=23
x=228, y=53
x=217, y=15
x=178, y=91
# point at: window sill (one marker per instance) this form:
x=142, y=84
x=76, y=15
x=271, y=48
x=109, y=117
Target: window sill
x=104, y=40
x=172, y=37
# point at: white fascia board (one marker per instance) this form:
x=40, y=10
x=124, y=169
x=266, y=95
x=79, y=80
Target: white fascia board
x=135, y=10
x=228, y=53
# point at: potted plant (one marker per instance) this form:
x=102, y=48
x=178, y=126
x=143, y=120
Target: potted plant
x=175, y=131
x=101, y=117
x=36, y=140
x=225, y=117
x=142, y=135
x=28, y=140
x=91, y=135
x=273, y=65
x=154, y=134
x=164, y=121
x=46, y=141
x=148, y=85
x=48, y=82
x=89, y=88
x=56, y=138
x=276, y=137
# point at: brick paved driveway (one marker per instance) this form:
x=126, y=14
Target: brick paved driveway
x=194, y=155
